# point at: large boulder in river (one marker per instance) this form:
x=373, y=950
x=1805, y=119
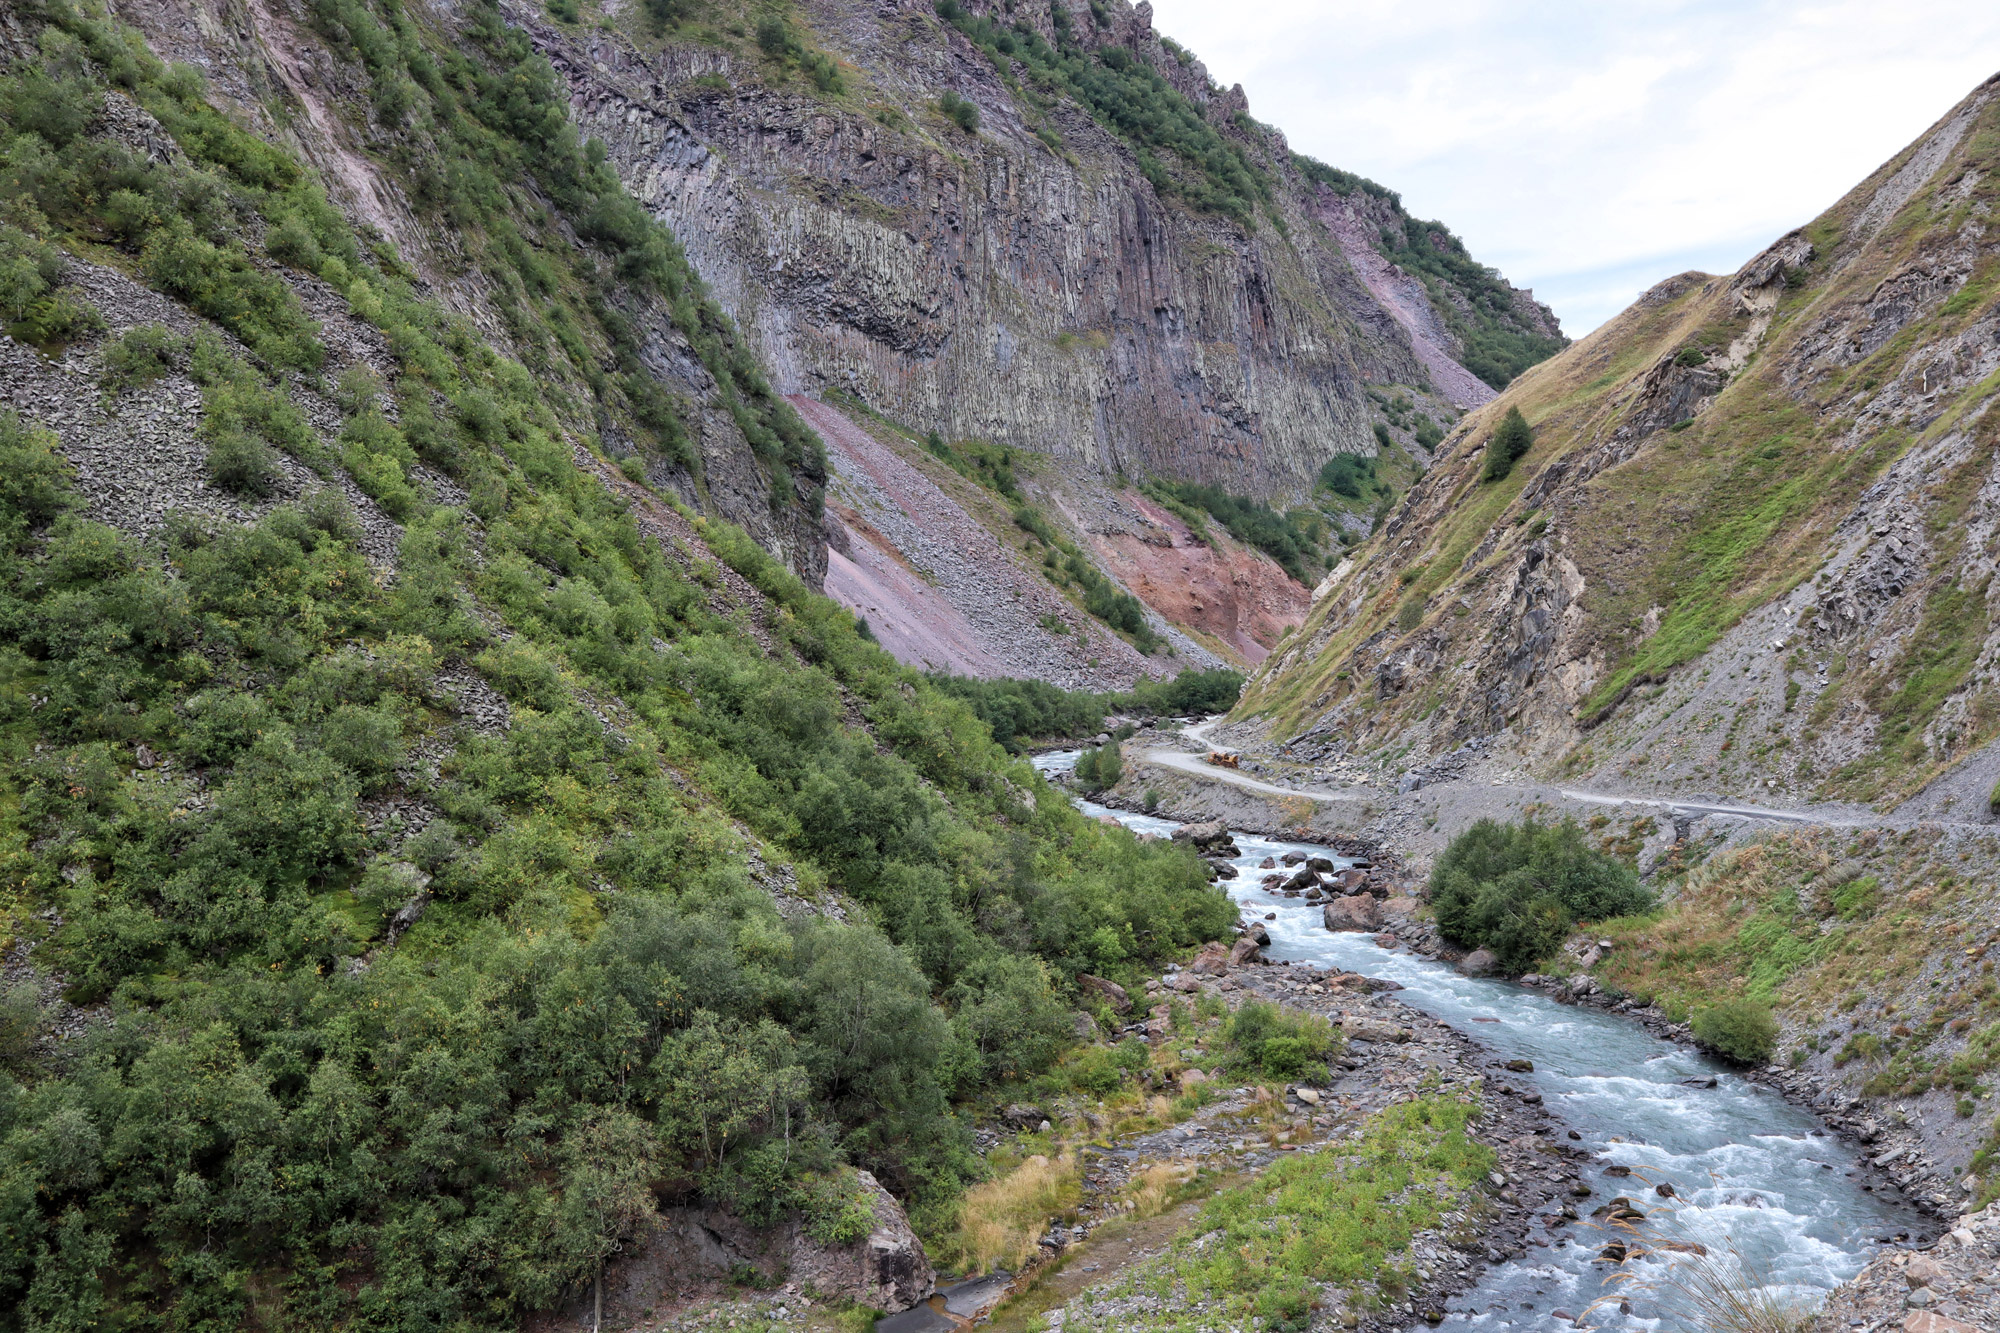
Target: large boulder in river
x=1479, y=963
x=1245, y=950
x=1209, y=834
x=1357, y=911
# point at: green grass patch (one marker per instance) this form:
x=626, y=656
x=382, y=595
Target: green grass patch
x=1342, y=1216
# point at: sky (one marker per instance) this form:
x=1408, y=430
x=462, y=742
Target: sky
x=1588, y=150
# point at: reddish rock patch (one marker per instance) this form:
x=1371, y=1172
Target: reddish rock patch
x=1238, y=595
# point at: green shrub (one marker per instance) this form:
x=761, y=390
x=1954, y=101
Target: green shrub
x=1510, y=443
x=241, y=463
x=960, y=112
x=1349, y=475
x=141, y=355
x=1741, y=1030
x=61, y=316
x=1099, y=768
x=28, y=270
x=1265, y=1040
x=1517, y=889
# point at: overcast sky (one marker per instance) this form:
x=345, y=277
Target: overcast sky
x=1588, y=150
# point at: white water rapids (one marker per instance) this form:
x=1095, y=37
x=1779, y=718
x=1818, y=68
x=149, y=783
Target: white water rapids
x=1754, y=1176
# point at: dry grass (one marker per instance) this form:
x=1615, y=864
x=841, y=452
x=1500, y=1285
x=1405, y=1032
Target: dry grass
x=1000, y=1222
x=1157, y=1188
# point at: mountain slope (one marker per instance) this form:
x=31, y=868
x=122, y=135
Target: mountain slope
x=1749, y=547
x=1117, y=267
x=430, y=850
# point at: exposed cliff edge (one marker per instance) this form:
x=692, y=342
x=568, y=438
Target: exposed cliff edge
x=1045, y=282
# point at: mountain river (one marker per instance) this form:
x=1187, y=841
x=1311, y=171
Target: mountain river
x=1755, y=1176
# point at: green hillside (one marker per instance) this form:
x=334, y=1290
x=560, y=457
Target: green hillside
x=402, y=929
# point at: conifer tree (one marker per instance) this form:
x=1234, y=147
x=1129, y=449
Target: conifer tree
x=1509, y=443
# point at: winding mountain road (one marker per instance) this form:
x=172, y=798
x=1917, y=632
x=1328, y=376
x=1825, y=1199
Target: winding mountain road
x=1196, y=765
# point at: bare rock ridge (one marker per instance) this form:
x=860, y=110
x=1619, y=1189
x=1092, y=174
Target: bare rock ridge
x=992, y=285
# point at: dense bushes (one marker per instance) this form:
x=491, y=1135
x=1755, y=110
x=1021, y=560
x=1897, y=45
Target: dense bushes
x=1020, y=710
x=1349, y=475
x=1099, y=767
x=961, y=112
x=1517, y=889
x=1745, y=1031
x=1266, y=1041
x=423, y=1063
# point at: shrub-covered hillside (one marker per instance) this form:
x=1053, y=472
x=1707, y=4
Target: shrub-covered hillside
x=425, y=848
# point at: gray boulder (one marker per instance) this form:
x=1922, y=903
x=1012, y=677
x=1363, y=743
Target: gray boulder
x=1479, y=963
x=1356, y=911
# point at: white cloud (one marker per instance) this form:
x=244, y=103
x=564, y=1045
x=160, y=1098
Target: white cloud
x=1588, y=150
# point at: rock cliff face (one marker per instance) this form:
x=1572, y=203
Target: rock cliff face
x=1752, y=549
x=1026, y=284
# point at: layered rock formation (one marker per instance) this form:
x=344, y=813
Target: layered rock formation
x=1025, y=284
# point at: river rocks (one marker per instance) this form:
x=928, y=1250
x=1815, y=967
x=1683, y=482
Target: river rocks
x=1213, y=960
x=1243, y=951
x=1268, y=863
x=1520, y=1066
x=1112, y=992
x=1021, y=1115
x=1354, y=912
x=1202, y=836
x=1256, y=931
x=1366, y=1029
x=1479, y=963
x=1928, y=1321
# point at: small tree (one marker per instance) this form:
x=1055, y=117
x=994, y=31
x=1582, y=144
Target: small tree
x=1510, y=443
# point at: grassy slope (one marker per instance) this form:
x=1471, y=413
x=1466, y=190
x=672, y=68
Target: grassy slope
x=1705, y=522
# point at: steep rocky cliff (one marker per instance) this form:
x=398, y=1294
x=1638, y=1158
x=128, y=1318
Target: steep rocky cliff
x=1750, y=549
x=1053, y=280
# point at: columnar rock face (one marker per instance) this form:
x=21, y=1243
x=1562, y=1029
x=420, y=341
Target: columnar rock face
x=1033, y=291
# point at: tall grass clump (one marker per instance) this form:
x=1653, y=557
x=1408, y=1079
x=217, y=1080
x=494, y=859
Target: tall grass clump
x=1001, y=1221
